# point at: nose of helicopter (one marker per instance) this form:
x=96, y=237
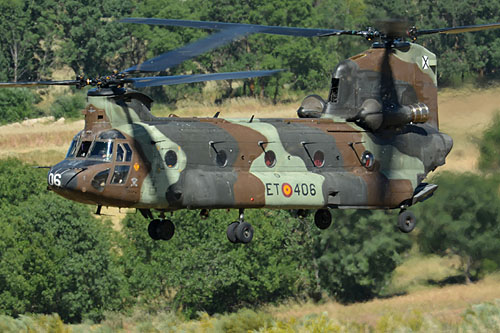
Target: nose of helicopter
x=62, y=178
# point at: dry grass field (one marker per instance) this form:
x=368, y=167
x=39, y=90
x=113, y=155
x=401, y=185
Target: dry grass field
x=445, y=304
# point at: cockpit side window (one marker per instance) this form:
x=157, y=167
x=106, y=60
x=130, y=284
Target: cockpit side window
x=102, y=150
x=72, y=149
x=128, y=157
x=119, y=154
x=84, y=149
x=120, y=174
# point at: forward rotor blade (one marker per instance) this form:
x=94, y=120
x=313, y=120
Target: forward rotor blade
x=457, y=30
x=142, y=82
x=39, y=83
x=175, y=57
x=251, y=28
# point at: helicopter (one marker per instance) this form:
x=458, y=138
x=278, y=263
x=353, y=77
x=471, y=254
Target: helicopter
x=369, y=145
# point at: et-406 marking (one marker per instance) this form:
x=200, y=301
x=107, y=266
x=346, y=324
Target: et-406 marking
x=287, y=190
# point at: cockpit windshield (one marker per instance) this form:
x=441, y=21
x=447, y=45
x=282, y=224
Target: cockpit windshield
x=84, y=149
x=102, y=150
x=99, y=148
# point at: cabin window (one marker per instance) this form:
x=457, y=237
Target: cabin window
x=319, y=159
x=84, y=149
x=120, y=174
x=99, y=180
x=102, y=150
x=221, y=158
x=270, y=158
x=171, y=158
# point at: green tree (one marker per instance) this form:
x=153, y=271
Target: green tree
x=358, y=253
x=199, y=270
x=16, y=104
x=54, y=256
x=27, y=35
x=68, y=106
x=489, y=157
x=463, y=218
x=92, y=42
x=18, y=182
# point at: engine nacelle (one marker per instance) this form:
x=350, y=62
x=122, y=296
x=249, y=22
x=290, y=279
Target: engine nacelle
x=374, y=117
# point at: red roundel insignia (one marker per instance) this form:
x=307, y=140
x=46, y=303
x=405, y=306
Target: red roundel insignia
x=287, y=190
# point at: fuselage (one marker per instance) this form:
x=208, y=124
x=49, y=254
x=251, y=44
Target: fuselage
x=175, y=163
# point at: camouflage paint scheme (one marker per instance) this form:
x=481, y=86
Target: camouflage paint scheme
x=403, y=154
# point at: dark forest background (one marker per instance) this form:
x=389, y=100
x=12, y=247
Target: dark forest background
x=37, y=37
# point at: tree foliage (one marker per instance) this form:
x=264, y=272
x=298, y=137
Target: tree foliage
x=358, y=253
x=489, y=158
x=199, y=270
x=463, y=218
x=54, y=256
x=38, y=37
x=18, y=104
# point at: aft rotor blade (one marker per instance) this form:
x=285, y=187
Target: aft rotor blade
x=39, y=83
x=457, y=30
x=251, y=28
x=175, y=57
x=142, y=82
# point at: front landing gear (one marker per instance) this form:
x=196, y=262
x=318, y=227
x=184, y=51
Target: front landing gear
x=240, y=231
x=406, y=221
x=161, y=229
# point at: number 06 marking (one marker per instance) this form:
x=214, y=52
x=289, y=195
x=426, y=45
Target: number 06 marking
x=54, y=179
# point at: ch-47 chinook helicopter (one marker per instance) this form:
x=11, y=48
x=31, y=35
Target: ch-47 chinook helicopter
x=369, y=145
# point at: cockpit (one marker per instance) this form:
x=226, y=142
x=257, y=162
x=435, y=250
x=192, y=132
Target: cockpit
x=100, y=148
x=96, y=162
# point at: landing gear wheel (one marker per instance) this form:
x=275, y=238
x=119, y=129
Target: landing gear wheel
x=154, y=229
x=161, y=229
x=167, y=230
x=244, y=232
x=231, y=232
x=406, y=221
x=323, y=218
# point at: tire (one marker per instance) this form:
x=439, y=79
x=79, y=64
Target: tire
x=323, y=218
x=231, y=232
x=167, y=230
x=244, y=232
x=406, y=221
x=154, y=229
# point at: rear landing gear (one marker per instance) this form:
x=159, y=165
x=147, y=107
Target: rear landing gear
x=240, y=231
x=406, y=221
x=323, y=218
x=161, y=229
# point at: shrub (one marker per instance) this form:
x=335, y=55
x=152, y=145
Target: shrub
x=17, y=104
x=68, y=106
